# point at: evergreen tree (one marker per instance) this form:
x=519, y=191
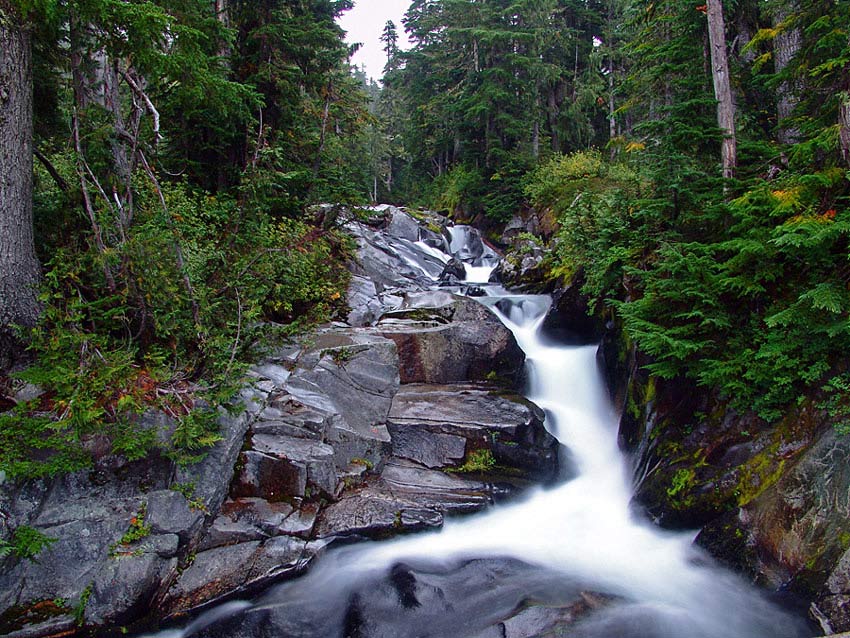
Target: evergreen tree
x=389, y=37
x=19, y=268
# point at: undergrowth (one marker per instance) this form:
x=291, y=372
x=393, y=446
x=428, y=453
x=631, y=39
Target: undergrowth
x=146, y=326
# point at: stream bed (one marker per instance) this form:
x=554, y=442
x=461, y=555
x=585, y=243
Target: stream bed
x=573, y=559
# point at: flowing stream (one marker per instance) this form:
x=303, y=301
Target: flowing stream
x=582, y=535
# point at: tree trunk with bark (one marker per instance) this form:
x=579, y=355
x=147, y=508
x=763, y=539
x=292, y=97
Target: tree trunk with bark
x=844, y=125
x=786, y=44
x=19, y=268
x=722, y=87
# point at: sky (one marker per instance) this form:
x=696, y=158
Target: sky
x=365, y=22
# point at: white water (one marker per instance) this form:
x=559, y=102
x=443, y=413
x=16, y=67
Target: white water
x=584, y=529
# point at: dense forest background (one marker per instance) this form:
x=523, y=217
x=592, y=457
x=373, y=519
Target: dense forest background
x=695, y=159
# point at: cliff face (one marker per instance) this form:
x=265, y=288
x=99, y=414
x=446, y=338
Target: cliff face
x=771, y=500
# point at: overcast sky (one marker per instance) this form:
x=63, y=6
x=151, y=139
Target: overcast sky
x=365, y=22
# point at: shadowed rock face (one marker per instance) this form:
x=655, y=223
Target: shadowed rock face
x=770, y=499
x=476, y=598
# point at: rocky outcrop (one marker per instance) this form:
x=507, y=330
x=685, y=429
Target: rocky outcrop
x=468, y=422
x=387, y=424
x=444, y=338
x=769, y=499
x=118, y=532
x=389, y=264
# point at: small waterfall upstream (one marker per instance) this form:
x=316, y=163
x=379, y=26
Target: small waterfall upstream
x=580, y=535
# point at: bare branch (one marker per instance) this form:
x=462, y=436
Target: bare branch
x=60, y=181
x=148, y=104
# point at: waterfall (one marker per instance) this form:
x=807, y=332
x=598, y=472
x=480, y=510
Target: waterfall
x=582, y=533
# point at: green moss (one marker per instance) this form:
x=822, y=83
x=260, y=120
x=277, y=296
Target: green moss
x=683, y=480
x=758, y=474
x=137, y=530
x=340, y=356
x=80, y=608
x=481, y=460
x=364, y=462
x=27, y=542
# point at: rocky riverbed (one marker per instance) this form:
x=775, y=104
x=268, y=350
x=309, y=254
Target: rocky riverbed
x=385, y=424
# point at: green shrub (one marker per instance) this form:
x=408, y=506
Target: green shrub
x=26, y=542
x=165, y=319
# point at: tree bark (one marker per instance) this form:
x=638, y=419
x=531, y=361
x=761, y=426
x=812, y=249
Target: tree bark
x=722, y=87
x=844, y=125
x=786, y=44
x=19, y=268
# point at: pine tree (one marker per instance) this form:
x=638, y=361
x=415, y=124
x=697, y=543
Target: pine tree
x=19, y=268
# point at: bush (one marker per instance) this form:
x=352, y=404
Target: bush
x=166, y=319
x=597, y=230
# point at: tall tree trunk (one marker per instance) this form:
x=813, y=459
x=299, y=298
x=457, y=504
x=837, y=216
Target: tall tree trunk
x=844, y=124
x=222, y=14
x=323, y=130
x=722, y=87
x=19, y=268
x=552, y=115
x=96, y=83
x=535, y=128
x=786, y=44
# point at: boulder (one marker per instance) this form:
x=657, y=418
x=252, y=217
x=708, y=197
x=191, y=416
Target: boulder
x=367, y=302
x=169, y=512
x=503, y=428
x=495, y=597
x=569, y=319
x=350, y=376
x=279, y=467
x=373, y=516
x=235, y=570
x=402, y=225
x=444, y=338
x=454, y=272
x=449, y=494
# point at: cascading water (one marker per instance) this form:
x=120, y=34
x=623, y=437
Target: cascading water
x=579, y=536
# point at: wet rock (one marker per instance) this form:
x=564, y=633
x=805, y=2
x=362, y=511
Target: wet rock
x=568, y=319
x=524, y=266
x=454, y=271
x=507, y=426
x=402, y=225
x=799, y=524
x=388, y=262
x=313, y=460
x=467, y=245
x=363, y=515
x=274, y=372
x=168, y=512
x=226, y=530
x=367, y=302
x=353, y=377
x=269, y=477
x=226, y=571
x=430, y=449
x=213, y=573
x=443, y=338
x=124, y=587
x=449, y=494
x=463, y=600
